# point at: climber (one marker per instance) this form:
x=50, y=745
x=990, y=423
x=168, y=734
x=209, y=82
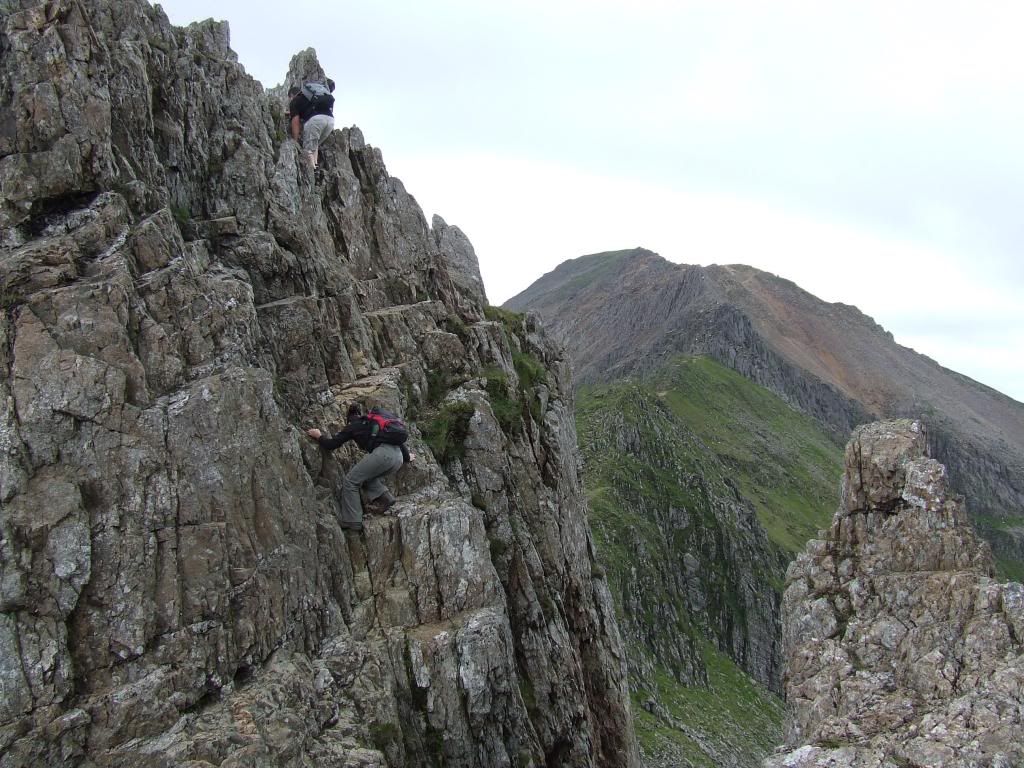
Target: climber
x=311, y=115
x=382, y=435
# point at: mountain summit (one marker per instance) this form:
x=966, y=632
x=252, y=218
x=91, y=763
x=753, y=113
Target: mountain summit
x=626, y=312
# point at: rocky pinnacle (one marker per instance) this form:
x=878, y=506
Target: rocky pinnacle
x=901, y=648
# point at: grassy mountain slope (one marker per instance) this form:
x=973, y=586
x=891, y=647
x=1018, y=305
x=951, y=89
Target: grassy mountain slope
x=624, y=313
x=679, y=467
x=732, y=721
x=782, y=460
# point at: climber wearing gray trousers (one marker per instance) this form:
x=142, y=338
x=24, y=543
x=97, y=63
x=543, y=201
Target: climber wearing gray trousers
x=381, y=459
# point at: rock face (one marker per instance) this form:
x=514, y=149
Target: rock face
x=901, y=648
x=179, y=300
x=628, y=311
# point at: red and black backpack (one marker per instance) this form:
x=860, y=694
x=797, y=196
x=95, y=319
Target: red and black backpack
x=387, y=427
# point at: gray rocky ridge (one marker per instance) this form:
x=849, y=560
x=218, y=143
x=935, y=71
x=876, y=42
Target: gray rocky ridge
x=179, y=299
x=901, y=649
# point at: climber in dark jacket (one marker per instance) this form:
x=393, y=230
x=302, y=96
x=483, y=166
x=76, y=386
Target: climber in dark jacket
x=311, y=122
x=381, y=459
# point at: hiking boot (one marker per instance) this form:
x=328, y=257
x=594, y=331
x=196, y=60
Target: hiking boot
x=346, y=526
x=380, y=505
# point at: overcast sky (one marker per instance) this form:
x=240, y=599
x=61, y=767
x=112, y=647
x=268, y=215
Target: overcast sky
x=869, y=151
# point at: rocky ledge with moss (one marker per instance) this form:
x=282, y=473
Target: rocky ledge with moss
x=902, y=649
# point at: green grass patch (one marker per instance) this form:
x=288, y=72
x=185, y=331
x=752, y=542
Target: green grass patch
x=446, y=432
x=507, y=409
x=529, y=369
x=453, y=324
x=506, y=317
x=439, y=383
x=531, y=373
x=181, y=214
x=733, y=721
x=8, y=299
x=781, y=459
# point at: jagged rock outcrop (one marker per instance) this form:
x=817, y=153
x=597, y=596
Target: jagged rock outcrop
x=628, y=311
x=179, y=300
x=902, y=650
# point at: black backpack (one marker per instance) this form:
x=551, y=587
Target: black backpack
x=318, y=95
x=387, y=427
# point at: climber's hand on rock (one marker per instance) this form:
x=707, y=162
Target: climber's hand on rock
x=314, y=433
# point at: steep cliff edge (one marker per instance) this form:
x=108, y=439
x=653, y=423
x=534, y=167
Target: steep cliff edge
x=179, y=298
x=629, y=311
x=901, y=649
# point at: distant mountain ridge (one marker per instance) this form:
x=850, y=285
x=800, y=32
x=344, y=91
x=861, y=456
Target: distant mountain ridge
x=626, y=312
